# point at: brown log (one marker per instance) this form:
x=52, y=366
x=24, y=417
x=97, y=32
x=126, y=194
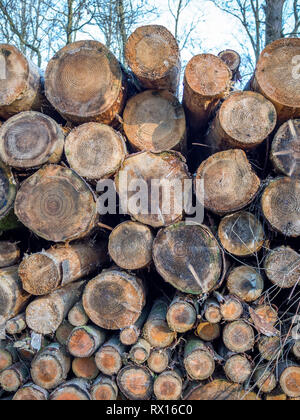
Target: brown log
x=153, y=55
x=168, y=386
x=109, y=357
x=31, y=139
x=84, y=82
x=155, y=121
x=207, y=331
x=270, y=348
x=230, y=184
x=246, y=283
x=212, y=312
x=285, y=151
x=8, y=355
x=282, y=267
x=130, y=245
x=182, y=314
x=74, y=390
x=135, y=382
x=95, y=151
x=77, y=316
x=85, y=341
x=85, y=368
x=289, y=378
x=59, y=196
x=276, y=395
x=296, y=349
x=140, y=352
x=114, y=299
x=265, y=314
x=130, y=335
x=159, y=360
x=238, y=336
x=280, y=205
x=188, y=257
x=46, y=271
x=9, y=254
x=231, y=308
x=265, y=379
x=233, y=61
x=276, y=77
x=207, y=80
x=7, y=195
x=16, y=325
x=217, y=390
x=198, y=361
x=166, y=170
x=45, y=314
x=63, y=332
x=104, y=389
x=31, y=392
x=13, y=377
x=238, y=369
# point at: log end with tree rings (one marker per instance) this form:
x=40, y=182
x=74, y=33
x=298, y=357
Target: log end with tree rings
x=232, y=59
x=85, y=368
x=104, y=389
x=109, y=358
x=59, y=196
x=246, y=283
x=95, y=151
x=84, y=83
x=155, y=121
x=188, y=257
x=30, y=139
x=153, y=55
x=130, y=245
x=277, y=77
x=31, y=392
x=285, y=151
x=231, y=309
x=238, y=336
x=168, y=386
x=270, y=348
x=84, y=341
x=230, y=183
x=114, y=299
x=217, y=390
x=74, y=390
x=290, y=381
x=135, y=382
x=162, y=180
x=9, y=253
x=8, y=190
x=238, y=369
x=181, y=316
x=265, y=379
x=158, y=360
x=281, y=205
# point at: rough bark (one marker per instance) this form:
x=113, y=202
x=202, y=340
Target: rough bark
x=104, y=389
x=182, y=314
x=85, y=341
x=135, y=382
x=77, y=316
x=198, y=361
x=74, y=390
x=109, y=357
x=31, y=392
x=140, y=352
x=9, y=254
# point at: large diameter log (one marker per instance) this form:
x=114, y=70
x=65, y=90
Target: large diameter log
x=135, y=382
x=168, y=386
x=140, y=352
x=233, y=61
x=238, y=336
x=153, y=55
x=182, y=314
x=289, y=379
x=130, y=245
x=130, y=335
x=56, y=204
x=84, y=83
x=156, y=330
x=45, y=314
x=77, y=316
x=109, y=358
x=198, y=361
x=16, y=325
x=159, y=360
x=246, y=283
x=281, y=205
x=207, y=80
x=276, y=77
x=43, y=272
x=85, y=341
x=161, y=176
x=230, y=183
x=74, y=390
x=7, y=192
x=30, y=139
x=244, y=121
x=114, y=299
x=104, y=389
x=188, y=257
x=155, y=121
x=238, y=369
x=31, y=392
x=95, y=151
x=9, y=253
x=85, y=368
x=13, y=377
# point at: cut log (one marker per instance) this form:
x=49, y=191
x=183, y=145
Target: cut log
x=282, y=267
x=207, y=331
x=281, y=205
x=31, y=392
x=266, y=315
x=159, y=360
x=233, y=61
x=74, y=390
x=104, y=389
x=217, y=390
x=130, y=245
x=182, y=314
x=46, y=271
x=114, y=299
x=130, y=335
x=285, y=151
x=30, y=139
x=85, y=341
x=161, y=176
x=270, y=348
x=16, y=325
x=231, y=309
x=77, y=316
x=265, y=379
x=238, y=336
x=135, y=382
x=212, y=312
x=153, y=55
x=85, y=368
x=13, y=377
x=296, y=349
x=198, y=361
x=230, y=184
x=59, y=196
x=95, y=151
x=244, y=121
x=63, y=332
x=207, y=80
x=238, y=369
x=9, y=253
x=8, y=193
x=276, y=395
x=168, y=386
x=50, y=367
x=289, y=378
x=109, y=357
x=156, y=330
x=140, y=352
x=45, y=314
x=246, y=283
x=8, y=355
x=276, y=77
x=155, y=121
x=84, y=82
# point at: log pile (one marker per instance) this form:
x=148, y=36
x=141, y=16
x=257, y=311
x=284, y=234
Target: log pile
x=144, y=303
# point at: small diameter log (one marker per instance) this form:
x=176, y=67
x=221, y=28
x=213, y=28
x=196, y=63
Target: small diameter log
x=74, y=390
x=233, y=61
x=114, y=299
x=296, y=349
x=63, y=332
x=212, y=311
x=16, y=325
x=168, y=386
x=8, y=355
x=104, y=389
x=135, y=382
x=85, y=341
x=207, y=331
x=44, y=315
x=59, y=196
x=238, y=336
x=289, y=379
x=13, y=377
x=238, y=369
x=198, y=361
x=266, y=315
x=9, y=254
x=30, y=139
x=244, y=121
x=207, y=80
x=109, y=357
x=285, y=151
x=50, y=367
x=217, y=390
x=130, y=335
x=265, y=379
x=153, y=55
x=7, y=195
x=140, y=352
x=230, y=183
x=161, y=176
x=282, y=267
x=155, y=121
x=85, y=368
x=246, y=283
x=270, y=348
x=46, y=271
x=188, y=257
x=130, y=245
x=84, y=83
x=231, y=308
x=182, y=314
x=276, y=77
x=156, y=330
x=31, y=392
x=281, y=205
x=77, y=316
x=95, y=151
x=159, y=360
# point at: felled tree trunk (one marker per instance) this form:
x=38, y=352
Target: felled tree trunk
x=233, y=61
x=31, y=392
x=104, y=389
x=182, y=314
x=238, y=369
x=246, y=283
x=74, y=390
x=13, y=377
x=265, y=379
x=140, y=352
x=16, y=325
x=289, y=378
x=159, y=360
x=8, y=355
x=85, y=341
x=9, y=253
x=77, y=316
x=212, y=312
x=109, y=356
x=85, y=368
x=168, y=386
x=238, y=336
x=63, y=332
x=135, y=382
x=130, y=335
x=231, y=308
x=207, y=331
x=198, y=361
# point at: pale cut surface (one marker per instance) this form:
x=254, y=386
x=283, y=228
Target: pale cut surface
x=282, y=267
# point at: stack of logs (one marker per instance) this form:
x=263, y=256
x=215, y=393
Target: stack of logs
x=149, y=305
